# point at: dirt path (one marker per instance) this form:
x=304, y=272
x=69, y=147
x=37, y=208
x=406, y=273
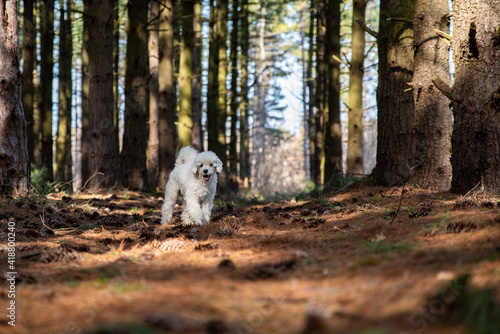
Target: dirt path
x=102, y=264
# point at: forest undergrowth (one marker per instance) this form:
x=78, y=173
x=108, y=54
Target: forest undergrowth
x=365, y=260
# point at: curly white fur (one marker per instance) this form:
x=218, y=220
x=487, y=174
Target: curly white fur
x=195, y=177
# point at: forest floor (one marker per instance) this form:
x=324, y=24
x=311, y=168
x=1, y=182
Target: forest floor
x=362, y=261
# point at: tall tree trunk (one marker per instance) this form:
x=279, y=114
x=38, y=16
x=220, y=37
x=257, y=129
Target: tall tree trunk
x=44, y=159
x=244, y=103
x=432, y=111
x=133, y=170
x=233, y=154
x=196, y=134
x=14, y=166
x=305, y=82
x=29, y=55
x=116, y=72
x=64, y=162
x=103, y=157
x=185, y=124
x=355, y=102
x=154, y=93
x=85, y=130
x=166, y=105
x=396, y=140
x=213, y=84
x=333, y=129
x=311, y=87
x=221, y=150
x=260, y=116
x=476, y=97
x=320, y=93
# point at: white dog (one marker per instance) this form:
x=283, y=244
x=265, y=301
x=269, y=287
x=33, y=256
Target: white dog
x=195, y=177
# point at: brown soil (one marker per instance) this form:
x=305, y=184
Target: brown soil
x=348, y=263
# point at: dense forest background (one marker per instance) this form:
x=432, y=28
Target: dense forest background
x=112, y=89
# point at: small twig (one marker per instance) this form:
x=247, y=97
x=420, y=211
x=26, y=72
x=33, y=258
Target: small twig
x=365, y=27
x=472, y=189
x=443, y=34
x=90, y=178
x=338, y=229
x=42, y=218
x=400, y=19
x=399, y=207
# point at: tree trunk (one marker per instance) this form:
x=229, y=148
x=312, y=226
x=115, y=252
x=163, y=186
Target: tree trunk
x=305, y=83
x=221, y=150
x=320, y=94
x=116, y=72
x=154, y=92
x=196, y=134
x=311, y=87
x=14, y=159
x=103, y=157
x=167, y=93
x=29, y=55
x=244, y=103
x=233, y=154
x=432, y=111
x=213, y=84
x=64, y=162
x=355, y=102
x=44, y=157
x=396, y=111
x=85, y=138
x=185, y=124
x=333, y=129
x=133, y=155
x=476, y=97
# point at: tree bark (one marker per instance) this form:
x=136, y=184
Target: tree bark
x=85, y=130
x=319, y=116
x=44, y=156
x=213, y=84
x=311, y=87
x=197, y=133
x=476, y=97
x=154, y=92
x=233, y=154
x=64, y=162
x=221, y=149
x=29, y=55
x=14, y=159
x=133, y=170
x=355, y=102
x=244, y=103
x=167, y=93
x=333, y=128
x=396, y=111
x=185, y=124
x=432, y=111
x=103, y=148
x=116, y=72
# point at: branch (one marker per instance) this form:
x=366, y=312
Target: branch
x=400, y=19
x=442, y=86
x=365, y=27
x=443, y=34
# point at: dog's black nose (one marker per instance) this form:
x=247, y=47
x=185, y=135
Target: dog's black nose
x=205, y=171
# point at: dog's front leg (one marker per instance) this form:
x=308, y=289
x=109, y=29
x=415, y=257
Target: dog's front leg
x=192, y=214
x=206, y=207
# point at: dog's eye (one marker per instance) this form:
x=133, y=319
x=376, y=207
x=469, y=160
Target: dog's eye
x=211, y=165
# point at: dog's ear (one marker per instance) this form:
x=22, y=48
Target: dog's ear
x=218, y=165
x=194, y=168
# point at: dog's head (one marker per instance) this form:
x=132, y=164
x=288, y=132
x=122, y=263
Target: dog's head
x=206, y=164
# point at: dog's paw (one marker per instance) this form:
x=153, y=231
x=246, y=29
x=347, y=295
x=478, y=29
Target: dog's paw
x=193, y=223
